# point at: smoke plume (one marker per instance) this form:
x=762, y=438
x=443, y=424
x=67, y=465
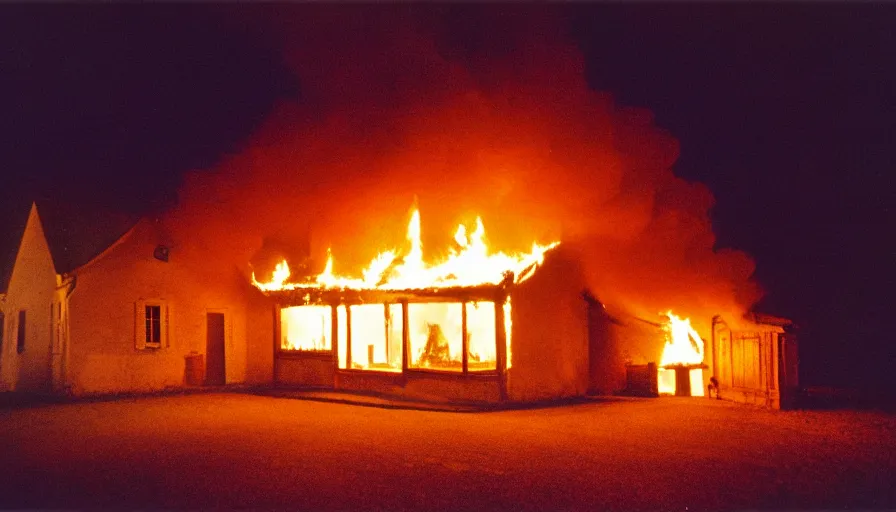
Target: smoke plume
x=481, y=113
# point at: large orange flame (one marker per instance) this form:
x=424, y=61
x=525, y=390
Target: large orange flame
x=683, y=347
x=469, y=264
x=683, y=344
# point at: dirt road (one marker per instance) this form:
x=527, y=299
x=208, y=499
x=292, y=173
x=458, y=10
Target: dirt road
x=232, y=450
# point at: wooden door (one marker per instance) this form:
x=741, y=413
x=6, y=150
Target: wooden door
x=214, y=350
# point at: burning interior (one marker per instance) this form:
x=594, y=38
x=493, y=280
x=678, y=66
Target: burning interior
x=446, y=336
x=681, y=366
x=403, y=317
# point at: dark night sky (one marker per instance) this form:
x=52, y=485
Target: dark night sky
x=786, y=111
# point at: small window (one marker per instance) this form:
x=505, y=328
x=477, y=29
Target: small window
x=152, y=318
x=20, y=335
x=153, y=326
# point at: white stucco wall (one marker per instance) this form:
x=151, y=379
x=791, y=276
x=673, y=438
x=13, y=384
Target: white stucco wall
x=31, y=289
x=103, y=316
x=618, y=339
x=549, y=344
x=260, y=320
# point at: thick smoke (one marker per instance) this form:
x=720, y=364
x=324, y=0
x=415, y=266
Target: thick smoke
x=489, y=115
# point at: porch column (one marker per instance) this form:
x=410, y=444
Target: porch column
x=501, y=346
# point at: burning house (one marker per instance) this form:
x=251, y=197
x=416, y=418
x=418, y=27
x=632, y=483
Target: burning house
x=478, y=327
x=496, y=327
x=509, y=128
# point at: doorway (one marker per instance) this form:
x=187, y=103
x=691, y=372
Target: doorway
x=214, y=349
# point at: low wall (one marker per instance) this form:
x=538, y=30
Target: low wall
x=387, y=383
x=453, y=387
x=312, y=370
x=319, y=370
x=423, y=385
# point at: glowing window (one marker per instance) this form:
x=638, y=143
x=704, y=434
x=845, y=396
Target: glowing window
x=306, y=328
x=376, y=337
x=436, y=337
x=481, y=336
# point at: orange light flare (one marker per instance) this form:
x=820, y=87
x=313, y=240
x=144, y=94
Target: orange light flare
x=683, y=347
x=469, y=263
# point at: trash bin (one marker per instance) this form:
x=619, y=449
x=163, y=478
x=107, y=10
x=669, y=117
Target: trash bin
x=195, y=369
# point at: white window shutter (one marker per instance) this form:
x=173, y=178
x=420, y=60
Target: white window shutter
x=140, y=325
x=166, y=326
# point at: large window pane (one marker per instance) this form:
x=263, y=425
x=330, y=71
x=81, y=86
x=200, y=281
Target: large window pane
x=306, y=328
x=376, y=337
x=394, y=328
x=435, y=336
x=481, y=336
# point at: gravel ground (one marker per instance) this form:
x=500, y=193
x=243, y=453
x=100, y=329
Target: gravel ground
x=232, y=450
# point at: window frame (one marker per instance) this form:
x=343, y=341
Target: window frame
x=338, y=338
x=350, y=340
x=152, y=313
x=307, y=351
x=493, y=305
x=464, y=347
x=140, y=325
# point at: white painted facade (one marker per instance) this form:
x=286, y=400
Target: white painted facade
x=86, y=330
x=26, y=356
